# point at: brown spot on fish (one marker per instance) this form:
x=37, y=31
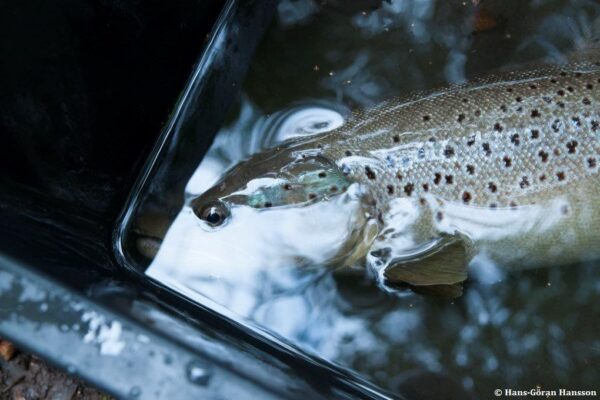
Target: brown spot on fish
x=589, y=86
x=322, y=174
x=498, y=127
x=535, y=113
x=524, y=182
x=461, y=117
x=572, y=146
x=552, y=80
x=595, y=125
x=396, y=139
x=449, y=179
x=399, y=176
x=561, y=176
x=533, y=86
x=466, y=197
x=370, y=173
x=439, y=216
x=287, y=186
x=543, y=155
x=333, y=189
x=519, y=99
x=542, y=177
x=470, y=169
x=586, y=101
x=348, y=153
x=492, y=186
x=570, y=89
x=390, y=189
x=556, y=152
x=535, y=133
x=426, y=187
x=486, y=148
x=437, y=178
x=503, y=108
x=426, y=118
x=448, y=152
x=312, y=196
x=409, y=188
x=560, y=92
x=591, y=162
x=471, y=141
x=514, y=139
x=477, y=113
x=507, y=161
x=268, y=204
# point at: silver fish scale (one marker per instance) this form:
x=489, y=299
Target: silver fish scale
x=500, y=142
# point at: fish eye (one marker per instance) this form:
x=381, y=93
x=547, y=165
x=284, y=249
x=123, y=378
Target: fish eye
x=214, y=214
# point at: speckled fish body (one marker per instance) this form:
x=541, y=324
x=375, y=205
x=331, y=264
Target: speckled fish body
x=505, y=169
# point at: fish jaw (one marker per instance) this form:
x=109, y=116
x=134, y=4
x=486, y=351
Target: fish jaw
x=257, y=241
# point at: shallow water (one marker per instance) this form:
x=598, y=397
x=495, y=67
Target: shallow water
x=509, y=330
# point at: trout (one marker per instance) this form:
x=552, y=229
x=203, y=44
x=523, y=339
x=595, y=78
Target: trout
x=503, y=170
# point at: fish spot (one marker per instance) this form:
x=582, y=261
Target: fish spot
x=509, y=90
x=322, y=174
x=492, y=187
x=498, y=127
x=535, y=113
x=348, y=153
x=477, y=113
x=287, y=186
x=507, y=161
x=268, y=204
x=560, y=92
x=591, y=162
x=437, y=178
x=426, y=187
x=595, y=125
x=439, y=216
x=448, y=152
x=465, y=100
x=560, y=104
x=390, y=189
x=493, y=206
x=396, y=139
x=570, y=89
x=333, y=189
x=572, y=146
x=563, y=73
x=519, y=109
x=556, y=152
x=542, y=177
x=461, y=117
x=513, y=204
x=399, y=176
x=547, y=99
x=561, y=176
x=471, y=141
x=514, y=139
x=503, y=108
x=426, y=118
x=470, y=169
x=553, y=80
x=578, y=74
x=524, y=182
x=586, y=101
x=370, y=173
x=535, y=133
x=409, y=188
x=519, y=99
x=486, y=148
x=533, y=86
x=449, y=179
x=543, y=155
x=466, y=197
x=312, y=196
x=422, y=201
x=589, y=86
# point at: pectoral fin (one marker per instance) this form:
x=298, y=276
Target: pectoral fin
x=444, y=265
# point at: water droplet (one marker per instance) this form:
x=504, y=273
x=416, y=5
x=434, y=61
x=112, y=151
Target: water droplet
x=199, y=372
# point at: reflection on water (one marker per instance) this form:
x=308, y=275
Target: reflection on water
x=517, y=330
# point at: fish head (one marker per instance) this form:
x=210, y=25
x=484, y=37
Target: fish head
x=282, y=209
